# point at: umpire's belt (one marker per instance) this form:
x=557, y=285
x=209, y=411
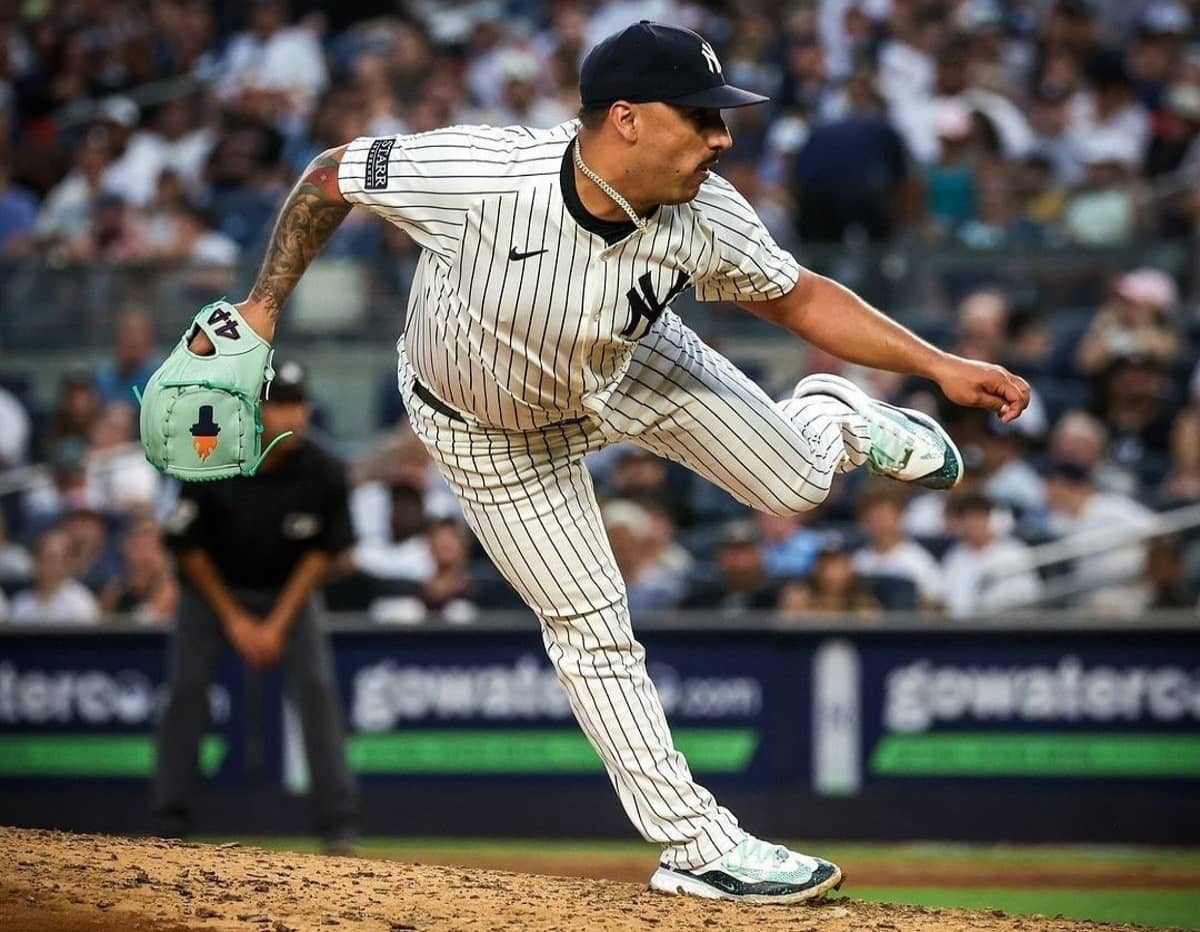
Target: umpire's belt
x=435, y=402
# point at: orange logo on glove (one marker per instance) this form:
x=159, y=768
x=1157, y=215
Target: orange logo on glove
x=204, y=432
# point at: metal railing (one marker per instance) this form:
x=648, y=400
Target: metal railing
x=20, y=479
x=1094, y=543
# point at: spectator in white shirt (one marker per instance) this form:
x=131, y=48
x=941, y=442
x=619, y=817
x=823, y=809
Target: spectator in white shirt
x=402, y=551
x=1109, y=113
x=1077, y=510
x=117, y=470
x=283, y=62
x=1082, y=438
x=119, y=116
x=984, y=573
x=523, y=98
x=889, y=551
x=15, y=563
x=66, y=212
x=55, y=598
x=908, y=74
x=15, y=429
x=174, y=143
x=399, y=459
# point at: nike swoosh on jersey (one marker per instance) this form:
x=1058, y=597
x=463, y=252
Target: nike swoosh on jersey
x=514, y=256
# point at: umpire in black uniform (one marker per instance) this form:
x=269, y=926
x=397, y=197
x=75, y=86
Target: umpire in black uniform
x=252, y=552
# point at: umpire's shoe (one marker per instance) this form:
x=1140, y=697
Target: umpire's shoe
x=753, y=872
x=905, y=444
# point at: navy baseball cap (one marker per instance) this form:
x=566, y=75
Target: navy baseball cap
x=649, y=62
x=289, y=385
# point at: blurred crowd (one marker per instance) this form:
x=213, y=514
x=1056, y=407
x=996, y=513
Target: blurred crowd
x=82, y=533
x=143, y=130
x=168, y=131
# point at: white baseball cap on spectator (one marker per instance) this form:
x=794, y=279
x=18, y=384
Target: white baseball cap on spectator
x=517, y=65
x=977, y=16
x=1010, y=122
x=626, y=514
x=878, y=10
x=1183, y=100
x=118, y=109
x=1151, y=287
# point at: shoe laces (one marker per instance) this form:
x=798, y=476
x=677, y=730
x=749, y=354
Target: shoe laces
x=758, y=852
x=890, y=446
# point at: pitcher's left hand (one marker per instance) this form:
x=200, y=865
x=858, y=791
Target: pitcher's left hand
x=978, y=384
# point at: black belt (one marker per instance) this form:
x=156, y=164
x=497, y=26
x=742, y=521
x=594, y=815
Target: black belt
x=435, y=402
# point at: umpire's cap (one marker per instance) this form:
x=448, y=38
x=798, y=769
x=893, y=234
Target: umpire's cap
x=651, y=62
x=289, y=385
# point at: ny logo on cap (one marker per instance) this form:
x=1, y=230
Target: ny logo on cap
x=710, y=58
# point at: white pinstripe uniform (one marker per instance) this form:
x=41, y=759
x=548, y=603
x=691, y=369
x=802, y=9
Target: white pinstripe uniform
x=536, y=334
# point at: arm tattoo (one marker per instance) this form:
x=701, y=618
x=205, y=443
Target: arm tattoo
x=309, y=216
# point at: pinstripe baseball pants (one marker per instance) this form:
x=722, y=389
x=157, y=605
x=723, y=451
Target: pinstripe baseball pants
x=529, y=498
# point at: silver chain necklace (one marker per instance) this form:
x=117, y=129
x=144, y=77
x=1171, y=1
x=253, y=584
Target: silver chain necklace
x=607, y=188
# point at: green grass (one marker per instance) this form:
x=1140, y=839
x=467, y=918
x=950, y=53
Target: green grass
x=1025, y=855
x=1165, y=908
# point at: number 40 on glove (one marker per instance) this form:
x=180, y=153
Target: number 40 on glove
x=201, y=416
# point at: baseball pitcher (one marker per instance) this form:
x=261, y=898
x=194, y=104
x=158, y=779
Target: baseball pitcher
x=540, y=329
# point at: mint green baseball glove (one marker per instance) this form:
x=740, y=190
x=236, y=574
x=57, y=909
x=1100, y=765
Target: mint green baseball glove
x=201, y=415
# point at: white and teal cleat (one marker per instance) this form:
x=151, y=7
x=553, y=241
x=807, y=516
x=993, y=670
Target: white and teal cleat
x=753, y=872
x=905, y=444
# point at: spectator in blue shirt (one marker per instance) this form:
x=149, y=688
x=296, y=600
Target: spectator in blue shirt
x=18, y=212
x=789, y=548
x=853, y=172
x=135, y=359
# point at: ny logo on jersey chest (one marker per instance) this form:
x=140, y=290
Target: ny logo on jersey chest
x=647, y=307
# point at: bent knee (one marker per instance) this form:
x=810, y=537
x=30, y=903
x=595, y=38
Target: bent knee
x=795, y=500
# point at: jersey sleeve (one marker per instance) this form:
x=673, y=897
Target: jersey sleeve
x=424, y=183
x=746, y=264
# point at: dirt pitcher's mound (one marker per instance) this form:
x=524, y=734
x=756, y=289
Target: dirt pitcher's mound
x=56, y=882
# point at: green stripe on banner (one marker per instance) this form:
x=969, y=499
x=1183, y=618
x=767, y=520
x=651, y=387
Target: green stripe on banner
x=88, y=755
x=1038, y=754
x=711, y=750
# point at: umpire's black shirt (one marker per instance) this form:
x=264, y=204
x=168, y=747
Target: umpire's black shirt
x=255, y=529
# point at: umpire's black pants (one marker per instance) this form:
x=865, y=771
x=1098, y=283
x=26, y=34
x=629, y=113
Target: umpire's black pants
x=196, y=645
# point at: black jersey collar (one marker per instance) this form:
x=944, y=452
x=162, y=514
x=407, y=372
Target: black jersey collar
x=613, y=231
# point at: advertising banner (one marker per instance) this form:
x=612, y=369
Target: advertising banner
x=796, y=710
x=1084, y=706
x=85, y=707
x=490, y=705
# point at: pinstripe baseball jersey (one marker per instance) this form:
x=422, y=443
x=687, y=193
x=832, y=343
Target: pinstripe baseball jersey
x=525, y=309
